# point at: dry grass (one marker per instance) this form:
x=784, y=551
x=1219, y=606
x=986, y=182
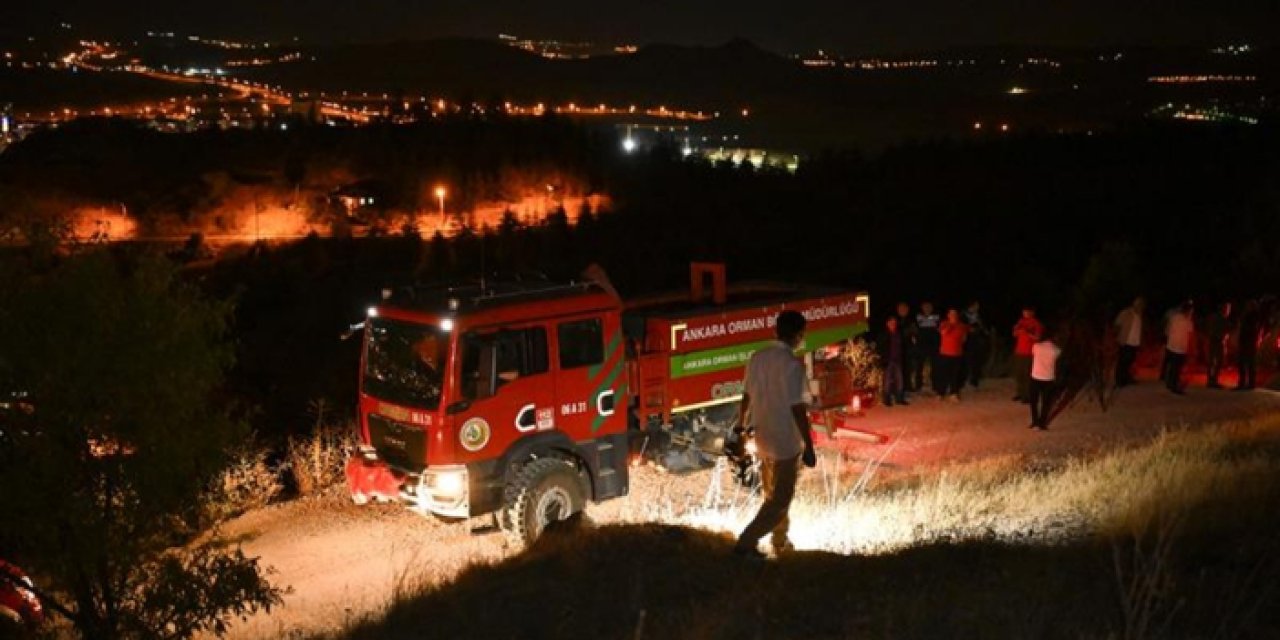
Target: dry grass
x=315, y=462
x=1171, y=539
x=312, y=465
x=1007, y=498
x=248, y=482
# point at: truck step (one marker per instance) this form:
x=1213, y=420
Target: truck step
x=609, y=484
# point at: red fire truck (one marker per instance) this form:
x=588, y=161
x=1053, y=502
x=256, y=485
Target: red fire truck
x=523, y=400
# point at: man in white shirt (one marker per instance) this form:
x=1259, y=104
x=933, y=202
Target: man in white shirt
x=1129, y=335
x=773, y=400
x=1178, y=337
x=1044, y=365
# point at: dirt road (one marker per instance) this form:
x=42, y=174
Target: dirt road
x=344, y=562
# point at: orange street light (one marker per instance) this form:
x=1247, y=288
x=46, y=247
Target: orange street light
x=440, y=194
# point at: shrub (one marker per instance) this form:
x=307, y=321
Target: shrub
x=248, y=482
x=315, y=462
x=864, y=365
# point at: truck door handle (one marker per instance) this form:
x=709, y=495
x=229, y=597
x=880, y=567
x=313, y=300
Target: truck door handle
x=604, y=403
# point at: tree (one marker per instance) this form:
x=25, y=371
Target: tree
x=118, y=365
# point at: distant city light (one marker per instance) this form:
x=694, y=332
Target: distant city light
x=628, y=144
x=977, y=126
x=1201, y=79
x=1017, y=90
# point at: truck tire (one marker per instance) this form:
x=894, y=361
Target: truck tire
x=542, y=491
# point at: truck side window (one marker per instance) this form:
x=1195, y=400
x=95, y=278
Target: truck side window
x=522, y=352
x=581, y=343
x=492, y=360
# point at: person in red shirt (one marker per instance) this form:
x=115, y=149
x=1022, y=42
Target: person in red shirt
x=1025, y=334
x=951, y=354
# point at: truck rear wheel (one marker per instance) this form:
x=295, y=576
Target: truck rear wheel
x=543, y=491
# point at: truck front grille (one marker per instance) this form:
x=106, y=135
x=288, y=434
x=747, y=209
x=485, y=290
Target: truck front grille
x=400, y=445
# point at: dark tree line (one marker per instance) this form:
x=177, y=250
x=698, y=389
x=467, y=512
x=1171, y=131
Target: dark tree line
x=1074, y=224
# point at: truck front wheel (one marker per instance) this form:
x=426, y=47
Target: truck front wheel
x=543, y=491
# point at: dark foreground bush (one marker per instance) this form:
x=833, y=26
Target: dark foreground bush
x=117, y=433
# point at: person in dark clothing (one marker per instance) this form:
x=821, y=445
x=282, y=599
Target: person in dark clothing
x=910, y=335
x=1217, y=329
x=892, y=349
x=927, y=342
x=1247, y=353
x=976, y=346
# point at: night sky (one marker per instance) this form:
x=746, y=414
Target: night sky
x=847, y=26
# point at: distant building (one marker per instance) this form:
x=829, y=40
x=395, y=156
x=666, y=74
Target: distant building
x=359, y=199
x=758, y=158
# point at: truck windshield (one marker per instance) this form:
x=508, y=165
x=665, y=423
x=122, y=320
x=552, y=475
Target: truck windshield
x=404, y=362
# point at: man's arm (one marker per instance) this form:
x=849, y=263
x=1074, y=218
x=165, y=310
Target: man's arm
x=801, y=414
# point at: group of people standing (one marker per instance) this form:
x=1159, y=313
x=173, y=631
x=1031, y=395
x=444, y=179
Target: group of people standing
x=1181, y=335
x=953, y=348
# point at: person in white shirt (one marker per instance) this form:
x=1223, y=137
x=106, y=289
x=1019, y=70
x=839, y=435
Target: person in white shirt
x=1129, y=335
x=773, y=402
x=1177, y=339
x=1044, y=364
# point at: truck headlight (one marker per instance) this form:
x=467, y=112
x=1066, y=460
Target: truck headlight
x=448, y=483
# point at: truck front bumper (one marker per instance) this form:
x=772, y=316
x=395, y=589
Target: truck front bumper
x=452, y=491
x=442, y=490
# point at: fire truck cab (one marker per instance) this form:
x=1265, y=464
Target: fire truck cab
x=508, y=398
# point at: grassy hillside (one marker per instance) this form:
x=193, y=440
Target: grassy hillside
x=1174, y=539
